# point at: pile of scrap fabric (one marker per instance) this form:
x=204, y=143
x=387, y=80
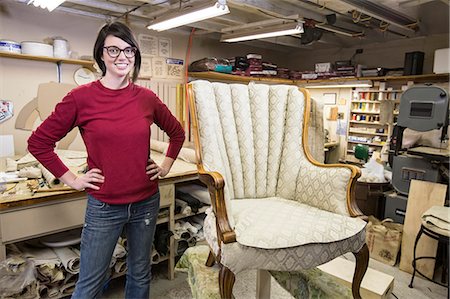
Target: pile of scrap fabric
x=28, y=168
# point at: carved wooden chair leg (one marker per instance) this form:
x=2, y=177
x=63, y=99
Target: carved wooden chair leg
x=362, y=261
x=211, y=259
x=226, y=282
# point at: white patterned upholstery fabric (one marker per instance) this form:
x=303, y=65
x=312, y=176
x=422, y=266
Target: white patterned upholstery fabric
x=276, y=198
x=238, y=257
x=275, y=222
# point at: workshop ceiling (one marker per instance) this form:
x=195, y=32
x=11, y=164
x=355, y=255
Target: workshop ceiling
x=327, y=23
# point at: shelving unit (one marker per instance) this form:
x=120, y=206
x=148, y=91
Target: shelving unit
x=365, y=116
x=234, y=78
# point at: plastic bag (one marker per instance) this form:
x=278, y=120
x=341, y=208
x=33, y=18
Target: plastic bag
x=18, y=278
x=372, y=172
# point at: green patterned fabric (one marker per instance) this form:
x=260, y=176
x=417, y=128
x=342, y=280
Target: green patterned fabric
x=203, y=280
x=309, y=284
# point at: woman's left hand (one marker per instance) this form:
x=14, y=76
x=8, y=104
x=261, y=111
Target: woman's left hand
x=155, y=170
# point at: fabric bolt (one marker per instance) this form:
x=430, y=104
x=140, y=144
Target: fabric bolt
x=199, y=192
x=113, y=124
x=103, y=226
x=193, y=202
x=120, y=267
x=69, y=259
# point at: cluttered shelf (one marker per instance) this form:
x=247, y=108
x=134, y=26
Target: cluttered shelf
x=229, y=77
x=86, y=63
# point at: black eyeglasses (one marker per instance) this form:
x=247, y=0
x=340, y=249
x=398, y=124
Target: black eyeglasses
x=114, y=51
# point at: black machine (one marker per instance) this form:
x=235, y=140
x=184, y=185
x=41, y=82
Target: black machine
x=423, y=108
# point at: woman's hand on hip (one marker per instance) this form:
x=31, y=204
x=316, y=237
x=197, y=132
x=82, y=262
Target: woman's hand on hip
x=155, y=170
x=88, y=179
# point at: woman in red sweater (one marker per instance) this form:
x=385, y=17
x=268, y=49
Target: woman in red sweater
x=114, y=116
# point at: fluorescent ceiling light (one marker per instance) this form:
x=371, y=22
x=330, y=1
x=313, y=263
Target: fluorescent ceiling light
x=284, y=29
x=345, y=84
x=206, y=10
x=46, y=4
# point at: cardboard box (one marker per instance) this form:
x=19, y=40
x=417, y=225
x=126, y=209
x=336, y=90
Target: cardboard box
x=375, y=284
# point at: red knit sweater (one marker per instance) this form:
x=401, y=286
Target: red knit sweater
x=115, y=127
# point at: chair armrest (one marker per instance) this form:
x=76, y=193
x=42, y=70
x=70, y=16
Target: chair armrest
x=352, y=206
x=215, y=183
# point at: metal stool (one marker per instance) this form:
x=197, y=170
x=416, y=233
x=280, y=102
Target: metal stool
x=442, y=236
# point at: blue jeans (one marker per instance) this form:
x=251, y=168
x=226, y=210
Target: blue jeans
x=103, y=225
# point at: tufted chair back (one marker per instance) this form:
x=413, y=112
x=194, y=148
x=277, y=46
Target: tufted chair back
x=252, y=134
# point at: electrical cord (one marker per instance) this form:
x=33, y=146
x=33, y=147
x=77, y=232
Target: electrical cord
x=274, y=16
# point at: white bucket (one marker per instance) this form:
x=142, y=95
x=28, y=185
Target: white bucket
x=60, y=48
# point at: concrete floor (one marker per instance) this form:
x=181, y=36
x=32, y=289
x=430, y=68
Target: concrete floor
x=245, y=286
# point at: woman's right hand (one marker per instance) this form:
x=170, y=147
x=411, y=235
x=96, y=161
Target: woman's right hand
x=86, y=181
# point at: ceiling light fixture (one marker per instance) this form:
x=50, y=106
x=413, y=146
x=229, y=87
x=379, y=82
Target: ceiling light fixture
x=345, y=84
x=46, y=4
x=190, y=14
x=279, y=30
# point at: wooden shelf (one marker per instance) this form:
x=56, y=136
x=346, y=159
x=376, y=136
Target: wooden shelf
x=229, y=77
x=367, y=123
x=368, y=133
x=366, y=101
x=86, y=63
x=382, y=91
x=365, y=112
x=366, y=143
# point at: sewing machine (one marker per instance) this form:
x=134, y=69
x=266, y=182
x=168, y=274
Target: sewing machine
x=423, y=108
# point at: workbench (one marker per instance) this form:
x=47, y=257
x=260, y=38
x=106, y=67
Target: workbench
x=24, y=215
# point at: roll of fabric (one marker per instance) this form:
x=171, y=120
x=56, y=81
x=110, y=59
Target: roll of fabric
x=49, y=273
x=69, y=259
x=156, y=257
x=43, y=291
x=192, y=241
x=113, y=262
x=30, y=172
x=199, y=192
x=123, y=242
x=119, y=251
x=52, y=181
x=183, y=207
x=159, y=146
x=191, y=201
x=67, y=289
x=180, y=246
x=11, y=165
x=120, y=267
x=161, y=243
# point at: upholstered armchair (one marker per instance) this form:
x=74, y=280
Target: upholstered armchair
x=273, y=206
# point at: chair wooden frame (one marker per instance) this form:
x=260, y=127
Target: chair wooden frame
x=215, y=183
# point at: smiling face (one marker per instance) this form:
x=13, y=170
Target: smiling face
x=117, y=67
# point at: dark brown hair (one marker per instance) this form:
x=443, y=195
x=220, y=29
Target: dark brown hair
x=123, y=32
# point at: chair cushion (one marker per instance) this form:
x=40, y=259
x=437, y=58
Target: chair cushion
x=274, y=222
x=238, y=257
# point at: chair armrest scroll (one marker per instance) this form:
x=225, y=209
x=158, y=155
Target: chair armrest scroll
x=215, y=183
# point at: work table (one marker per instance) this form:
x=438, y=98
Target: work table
x=25, y=215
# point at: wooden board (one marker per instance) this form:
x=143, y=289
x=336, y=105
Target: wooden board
x=422, y=195
x=375, y=284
